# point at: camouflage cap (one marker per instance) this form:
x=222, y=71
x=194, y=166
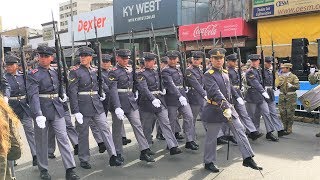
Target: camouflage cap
x=46, y=50
x=232, y=57
x=268, y=59
x=197, y=54
x=254, y=57
x=124, y=53
x=286, y=65
x=173, y=54
x=217, y=52
x=149, y=56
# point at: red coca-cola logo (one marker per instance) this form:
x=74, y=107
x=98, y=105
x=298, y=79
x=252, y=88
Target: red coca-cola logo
x=210, y=30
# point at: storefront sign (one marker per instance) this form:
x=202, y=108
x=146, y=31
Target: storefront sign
x=270, y=8
x=209, y=30
x=84, y=24
x=139, y=14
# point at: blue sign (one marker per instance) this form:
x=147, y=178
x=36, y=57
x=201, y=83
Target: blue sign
x=263, y=11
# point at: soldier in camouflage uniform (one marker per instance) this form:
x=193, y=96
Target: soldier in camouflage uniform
x=314, y=78
x=288, y=83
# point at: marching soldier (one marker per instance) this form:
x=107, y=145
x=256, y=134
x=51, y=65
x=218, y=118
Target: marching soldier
x=271, y=101
x=42, y=88
x=194, y=79
x=288, y=83
x=219, y=110
x=176, y=100
x=238, y=102
x=86, y=106
x=314, y=78
x=256, y=97
x=18, y=101
x=152, y=104
x=123, y=104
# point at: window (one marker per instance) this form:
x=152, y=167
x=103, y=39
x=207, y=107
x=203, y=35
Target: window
x=61, y=24
x=74, y=4
x=61, y=8
x=61, y=16
x=66, y=23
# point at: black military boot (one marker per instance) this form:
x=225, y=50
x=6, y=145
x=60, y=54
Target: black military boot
x=120, y=158
x=102, y=147
x=45, y=175
x=144, y=156
x=151, y=153
x=221, y=141
x=76, y=149
x=71, y=175
x=271, y=137
x=85, y=165
x=51, y=156
x=125, y=141
x=175, y=150
x=178, y=136
x=211, y=167
x=232, y=139
x=249, y=162
x=160, y=137
x=34, y=161
x=115, y=161
x=191, y=145
x=255, y=135
x=282, y=133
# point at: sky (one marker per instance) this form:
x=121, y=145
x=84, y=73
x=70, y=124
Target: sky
x=30, y=13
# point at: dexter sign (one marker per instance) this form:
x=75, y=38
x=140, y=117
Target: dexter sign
x=85, y=23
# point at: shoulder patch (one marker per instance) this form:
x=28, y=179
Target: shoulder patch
x=251, y=76
x=189, y=73
x=211, y=71
x=71, y=80
x=111, y=78
x=225, y=71
x=34, y=71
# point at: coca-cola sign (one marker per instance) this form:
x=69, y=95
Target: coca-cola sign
x=209, y=30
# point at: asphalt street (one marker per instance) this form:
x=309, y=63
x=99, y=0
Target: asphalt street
x=294, y=157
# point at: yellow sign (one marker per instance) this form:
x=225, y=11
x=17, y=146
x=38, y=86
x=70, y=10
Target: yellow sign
x=262, y=9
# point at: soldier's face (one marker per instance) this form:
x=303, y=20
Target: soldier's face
x=45, y=60
x=123, y=61
x=268, y=65
x=85, y=59
x=255, y=63
x=173, y=61
x=149, y=64
x=285, y=70
x=12, y=68
x=196, y=61
x=217, y=61
x=232, y=64
x=106, y=65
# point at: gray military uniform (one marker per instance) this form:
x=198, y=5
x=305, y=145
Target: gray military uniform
x=42, y=88
x=18, y=103
x=149, y=90
x=219, y=92
x=255, y=100
x=120, y=85
x=84, y=99
x=173, y=80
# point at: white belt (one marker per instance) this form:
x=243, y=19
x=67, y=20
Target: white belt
x=48, y=95
x=17, y=98
x=288, y=93
x=268, y=87
x=179, y=86
x=155, y=92
x=125, y=90
x=236, y=86
x=88, y=93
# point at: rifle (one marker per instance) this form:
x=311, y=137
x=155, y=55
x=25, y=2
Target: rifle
x=204, y=68
x=165, y=45
x=232, y=45
x=113, y=48
x=273, y=66
x=99, y=59
x=181, y=60
x=64, y=64
x=23, y=62
x=158, y=58
x=239, y=63
x=134, y=64
x=58, y=56
x=262, y=61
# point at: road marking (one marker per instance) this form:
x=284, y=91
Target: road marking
x=94, y=172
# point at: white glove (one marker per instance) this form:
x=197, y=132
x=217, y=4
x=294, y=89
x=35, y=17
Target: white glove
x=103, y=97
x=120, y=113
x=183, y=101
x=227, y=113
x=156, y=103
x=266, y=95
x=312, y=70
x=164, y=92
x=206, y=98
x=240, y=101
x=65, y=98
x=6, y=99
x=290, y=85
x=79, y=117
x=137, y=96
x=41, y=121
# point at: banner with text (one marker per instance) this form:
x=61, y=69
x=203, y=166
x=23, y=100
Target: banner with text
x=270, y=8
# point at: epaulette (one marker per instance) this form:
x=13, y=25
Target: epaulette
x=141, y=70
x=74, y=68
x=34, y=71
x=225, y=71
x=211, y=71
